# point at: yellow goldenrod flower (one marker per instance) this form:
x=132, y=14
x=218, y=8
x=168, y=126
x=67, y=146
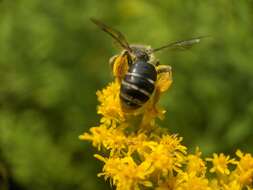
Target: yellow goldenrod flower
x=138, y=143
x=244, y=170
x=110, y=103
x=220, y=163
x=167, y=155
x=234, y=185
x=97, y=136
x=195, y=164
x=141, y=155
x=110, y=138
x=173, y=142
x=168, y=184
x=125, y=173
x=192, y=182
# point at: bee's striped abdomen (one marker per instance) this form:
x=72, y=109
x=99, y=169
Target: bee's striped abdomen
x=138, y=85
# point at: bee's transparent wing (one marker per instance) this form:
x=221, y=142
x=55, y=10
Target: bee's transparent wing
x=181, y=45
x=118, y=36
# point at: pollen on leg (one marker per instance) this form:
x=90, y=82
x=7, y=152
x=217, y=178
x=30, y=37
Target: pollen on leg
x=120, y=66
x=164, y=80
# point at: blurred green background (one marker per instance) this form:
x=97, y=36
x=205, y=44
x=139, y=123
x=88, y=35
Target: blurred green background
x=53, y=59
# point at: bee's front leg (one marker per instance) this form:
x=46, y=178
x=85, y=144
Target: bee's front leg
x=120, y=65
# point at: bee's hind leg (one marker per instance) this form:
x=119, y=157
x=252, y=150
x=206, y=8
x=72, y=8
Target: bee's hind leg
x=164, y=78
x=164, y=81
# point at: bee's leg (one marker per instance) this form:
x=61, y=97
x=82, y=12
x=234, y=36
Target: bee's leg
x=157, y=63
x=120, y=65
x=164, y=81
x=164, y=78
x=112, y=61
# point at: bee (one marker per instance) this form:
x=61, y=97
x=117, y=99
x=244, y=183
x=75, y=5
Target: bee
x=139, y=72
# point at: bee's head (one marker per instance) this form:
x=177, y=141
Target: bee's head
x=142, y=52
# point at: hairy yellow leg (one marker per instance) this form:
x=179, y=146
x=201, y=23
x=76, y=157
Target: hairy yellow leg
x=164, y=79
x=120, y=65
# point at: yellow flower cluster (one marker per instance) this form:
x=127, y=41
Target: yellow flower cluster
x=141, y=155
